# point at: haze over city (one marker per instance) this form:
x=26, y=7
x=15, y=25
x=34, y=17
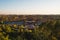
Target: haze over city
x=29, y=6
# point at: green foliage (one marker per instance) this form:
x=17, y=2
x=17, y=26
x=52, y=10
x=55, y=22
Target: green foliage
x=46, y=31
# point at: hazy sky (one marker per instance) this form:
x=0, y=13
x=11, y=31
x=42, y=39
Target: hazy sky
x=31, y=6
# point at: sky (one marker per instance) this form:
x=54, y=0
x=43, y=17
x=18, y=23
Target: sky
x=30, y=6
